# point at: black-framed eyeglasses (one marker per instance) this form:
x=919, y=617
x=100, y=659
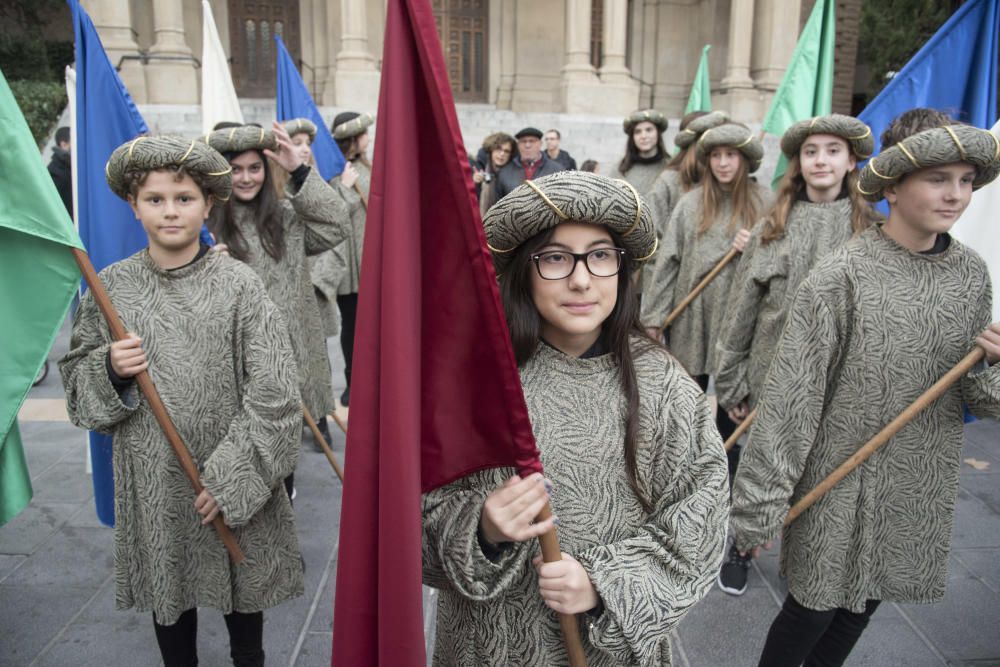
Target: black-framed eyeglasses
x=558, y=264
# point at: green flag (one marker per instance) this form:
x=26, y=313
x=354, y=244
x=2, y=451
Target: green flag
x=38, y=277
x=807, y=87
x=701, y=90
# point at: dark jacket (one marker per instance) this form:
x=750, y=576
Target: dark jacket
x=565, y=159
x=512, y=174
x=60, y=168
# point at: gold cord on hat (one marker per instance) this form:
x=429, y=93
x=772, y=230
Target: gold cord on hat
x=638, y=207
x=745, y=142
x=871, y=165
x=954, y=137
x=497, y=250
x=996, y=144
x=551, y=204
x=261, y=140
x=865, y=192
x=908, y=154
x=656, y=246
x=131, y=147
x=868, y=131
x=219, y=173
x=190, y=148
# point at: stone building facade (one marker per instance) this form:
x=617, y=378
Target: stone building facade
x=600, y=57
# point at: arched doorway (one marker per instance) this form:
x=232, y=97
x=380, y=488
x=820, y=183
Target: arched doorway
x=252, y=27
x=462, y=27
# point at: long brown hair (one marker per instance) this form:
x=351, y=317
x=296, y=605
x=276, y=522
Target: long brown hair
x=686, y=161
x=632, y=153
x=267, y=219
x=619, y=331
x=792, y=183
x=747, y=202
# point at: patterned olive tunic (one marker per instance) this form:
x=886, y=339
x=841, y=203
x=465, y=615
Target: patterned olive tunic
x=648, y=569
x=315, y=219
x=872, y=327
x=219, y=355
x=664, y=194
x=762, y=288
x=684, y=258
x=338, y=271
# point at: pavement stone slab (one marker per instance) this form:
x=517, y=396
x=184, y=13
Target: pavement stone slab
x=38, y=522
x=981, y=563
x=33, y=615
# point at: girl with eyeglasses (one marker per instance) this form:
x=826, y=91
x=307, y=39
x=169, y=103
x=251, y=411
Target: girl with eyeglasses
x=635, y=469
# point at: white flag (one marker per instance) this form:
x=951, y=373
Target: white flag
x=218, y=97
x=979, y=228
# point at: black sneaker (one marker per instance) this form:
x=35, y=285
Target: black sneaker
x=345, y=397
x=732, y=577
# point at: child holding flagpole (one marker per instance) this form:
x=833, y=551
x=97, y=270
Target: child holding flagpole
x=218, y=351
x=639, y=491
x=874, y=325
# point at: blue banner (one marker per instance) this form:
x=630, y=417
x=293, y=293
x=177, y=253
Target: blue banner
x=294, y=101
x=955, y=72
x=106, y=117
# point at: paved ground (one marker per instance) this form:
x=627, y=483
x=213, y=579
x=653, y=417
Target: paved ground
x=57, y=590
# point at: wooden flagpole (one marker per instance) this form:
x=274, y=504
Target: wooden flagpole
x=340, y=422
x=551, y=553
x=314, y=427
x=886, y=434
x=145, y=383
x=740, y=429
x=716, y=270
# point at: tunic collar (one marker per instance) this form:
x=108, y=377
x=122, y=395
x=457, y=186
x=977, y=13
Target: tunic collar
x=194, y=268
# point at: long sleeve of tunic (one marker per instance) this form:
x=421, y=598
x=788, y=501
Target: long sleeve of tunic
x=685, y=257
x=220, y=358
x=869, y=330
x=662, y=197
x=647, y=568
x=764, y=282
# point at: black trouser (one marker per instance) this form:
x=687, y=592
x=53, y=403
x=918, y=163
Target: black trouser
x=290, y=486
x=802, y=636
x=726, y=427
x=348, y=304
x=179, y=642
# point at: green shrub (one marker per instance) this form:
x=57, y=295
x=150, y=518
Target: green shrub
x=41, y=102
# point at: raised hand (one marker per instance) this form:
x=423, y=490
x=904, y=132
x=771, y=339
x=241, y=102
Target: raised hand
x=288, y=155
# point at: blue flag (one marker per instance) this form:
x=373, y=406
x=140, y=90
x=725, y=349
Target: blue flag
x=955, y=72
x=106, y=117
x=294, y=101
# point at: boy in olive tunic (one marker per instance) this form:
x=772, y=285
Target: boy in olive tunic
x=874, y=325
x=218, y=351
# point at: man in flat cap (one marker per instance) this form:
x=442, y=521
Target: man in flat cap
x=530, y=163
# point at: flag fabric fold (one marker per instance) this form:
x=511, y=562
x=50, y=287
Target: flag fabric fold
x=977, y=228
x=955, y=72
x=106, y=117
x=218, y=96
x=700, y=98
x=294, y=101
x=436, y=393
x=35, y=237
x=806, y=89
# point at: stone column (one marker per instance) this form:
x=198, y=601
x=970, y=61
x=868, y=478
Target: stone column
x=738, y=95
x=580, y=87
x=357, y=81
x=620, y=91
x=173, y=79
x=113, y=20
x=774, y=40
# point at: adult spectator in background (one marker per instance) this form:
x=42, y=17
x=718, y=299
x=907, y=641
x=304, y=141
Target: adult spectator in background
x=529, y=164
x=500, y=148
x=590, y=165
x=61, y=168
x=556, y=154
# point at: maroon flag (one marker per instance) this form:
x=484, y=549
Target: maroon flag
x=435, y=392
